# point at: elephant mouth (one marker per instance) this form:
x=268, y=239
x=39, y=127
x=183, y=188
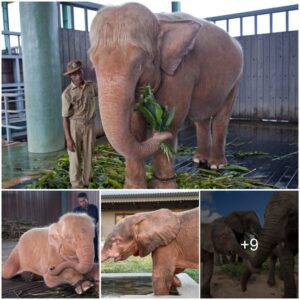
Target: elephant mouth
x=118, y=258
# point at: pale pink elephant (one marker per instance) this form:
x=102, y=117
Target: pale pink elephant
x=192, y=65
x=61, y=253
x=171, y=238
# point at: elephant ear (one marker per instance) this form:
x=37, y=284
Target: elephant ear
x=178, y=38
x=235, y=222
x=155, y=229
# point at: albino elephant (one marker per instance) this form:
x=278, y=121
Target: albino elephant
x=172, y=238
x=61, y=253
x=279, y=237
x=192, y=65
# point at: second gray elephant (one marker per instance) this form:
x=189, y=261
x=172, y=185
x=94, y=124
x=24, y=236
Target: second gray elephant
x=279, y=236
x=192, y=65
x=224, y=236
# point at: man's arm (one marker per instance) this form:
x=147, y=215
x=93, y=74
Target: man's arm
x=69, y=140
x=95, y=214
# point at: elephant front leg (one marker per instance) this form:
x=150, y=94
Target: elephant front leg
x=163, y=269
x=207, y=272
x=286, y=259
x=69, y=276
x=163, y=169
x=272, y=264
x=135, y=174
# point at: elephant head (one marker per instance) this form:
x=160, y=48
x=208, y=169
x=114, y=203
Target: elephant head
x=131, y=47
x=72, y=239
x=141, y=234
x=280, y=226
x=244, y=221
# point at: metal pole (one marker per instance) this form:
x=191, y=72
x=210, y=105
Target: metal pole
x=5, y=24
x=8, y=132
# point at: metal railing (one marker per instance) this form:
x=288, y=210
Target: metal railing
x=270, y=12
x=12, y=116
x=15, y=50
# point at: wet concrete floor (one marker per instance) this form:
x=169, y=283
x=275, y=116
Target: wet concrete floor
x=278, y=166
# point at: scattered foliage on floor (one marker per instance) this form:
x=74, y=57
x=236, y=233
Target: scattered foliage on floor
x=108, y=173
x=242, y=154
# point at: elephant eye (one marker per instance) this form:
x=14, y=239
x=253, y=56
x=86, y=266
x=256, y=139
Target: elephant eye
x=117, y=241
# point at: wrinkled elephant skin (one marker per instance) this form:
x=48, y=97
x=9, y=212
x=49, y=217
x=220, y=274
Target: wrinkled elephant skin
x=222, y=236
x=163, y=233
x=61, y=253
x=279, y=237
x=192, y=65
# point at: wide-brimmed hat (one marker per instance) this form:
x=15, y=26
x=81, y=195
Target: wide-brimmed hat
x=73, y=66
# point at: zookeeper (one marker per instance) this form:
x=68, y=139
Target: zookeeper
x=79, y=102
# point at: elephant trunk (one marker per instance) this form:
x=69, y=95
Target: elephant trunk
x=84, y=265
x=116, y=106
x=104, y=255
x=267, y=242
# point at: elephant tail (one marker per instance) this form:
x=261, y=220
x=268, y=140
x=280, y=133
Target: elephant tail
x=12, y=265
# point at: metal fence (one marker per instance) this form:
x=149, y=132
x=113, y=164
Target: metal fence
x=241, y=17
x=44, y=207
x=269, y=86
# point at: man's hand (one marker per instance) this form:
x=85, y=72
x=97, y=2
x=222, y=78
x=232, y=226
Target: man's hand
x=71, y=145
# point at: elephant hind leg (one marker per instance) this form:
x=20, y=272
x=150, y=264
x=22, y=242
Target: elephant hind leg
x=203, y=131
x=176, y=281
x=12, y=266
x=68, y=276
x=220, y=124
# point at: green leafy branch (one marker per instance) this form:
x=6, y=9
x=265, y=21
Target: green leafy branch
x=158, y=117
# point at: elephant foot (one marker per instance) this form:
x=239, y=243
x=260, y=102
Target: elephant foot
x=83, y=286
x=134, y=184
x=176, y=282
x=205, y=294
x=161, y=183
x=217, y=164
x=271, y=282
x=200, y=159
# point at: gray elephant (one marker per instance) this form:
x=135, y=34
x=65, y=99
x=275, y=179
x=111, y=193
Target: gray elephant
x=279, y=233
x=192, y=65
x=242, y=223
x=222, y=236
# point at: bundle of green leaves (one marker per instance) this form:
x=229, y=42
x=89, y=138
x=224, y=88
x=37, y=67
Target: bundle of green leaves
x=158, y=117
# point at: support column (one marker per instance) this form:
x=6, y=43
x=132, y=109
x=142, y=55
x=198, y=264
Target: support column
x=176, y=6
x=42, y=76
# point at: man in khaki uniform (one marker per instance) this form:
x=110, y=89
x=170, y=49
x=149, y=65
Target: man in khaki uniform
x=79, y=101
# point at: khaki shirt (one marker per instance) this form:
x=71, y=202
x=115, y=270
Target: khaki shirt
x=79, y=103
